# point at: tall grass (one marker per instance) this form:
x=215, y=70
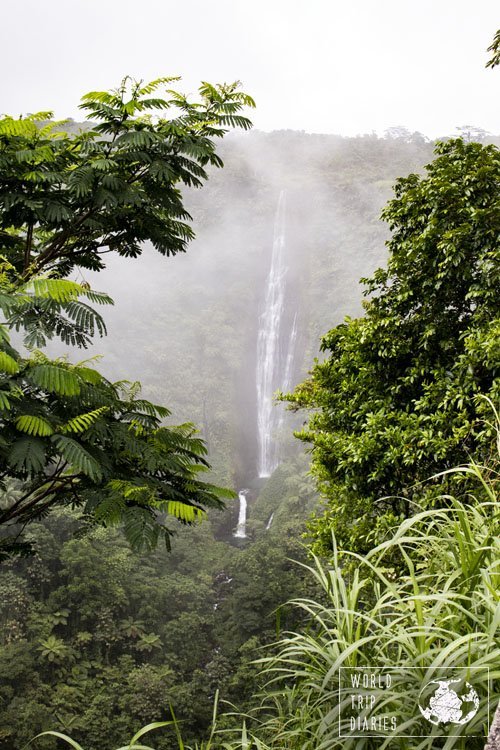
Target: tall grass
x=214, y=741
x=439, y=610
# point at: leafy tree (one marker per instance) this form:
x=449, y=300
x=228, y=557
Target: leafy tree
x=494, y=48
x=395, y=396
x=66, y=199
x=68, y=434
x=54, y=649
x=71, y=436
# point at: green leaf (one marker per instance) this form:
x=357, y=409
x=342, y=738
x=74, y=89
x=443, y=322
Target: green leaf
x=140, y=528
x=4, y=401
x=8, y=364
x=84, y=421
x=60, y=736
x=60, y=290
x=89, y=375
x=21, y=127
x=34, y=425
x=183, y=511
x=76, y=455
x=27, y=454
x=149, y=728
x=55, y=378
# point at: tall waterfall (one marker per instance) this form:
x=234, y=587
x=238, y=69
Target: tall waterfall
x=241, y=529
x=274, y=360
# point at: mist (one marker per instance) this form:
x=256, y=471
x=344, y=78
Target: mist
x=186, y=326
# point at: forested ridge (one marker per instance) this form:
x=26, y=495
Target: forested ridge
x=99, y=638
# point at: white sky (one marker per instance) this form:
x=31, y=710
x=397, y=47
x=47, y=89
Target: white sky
x=320, y=66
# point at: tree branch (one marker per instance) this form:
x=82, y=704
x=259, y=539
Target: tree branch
x=18, y=510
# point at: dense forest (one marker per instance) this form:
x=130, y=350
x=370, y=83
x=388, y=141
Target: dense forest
x=100, y=635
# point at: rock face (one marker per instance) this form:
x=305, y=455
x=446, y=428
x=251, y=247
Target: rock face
x=494, y=736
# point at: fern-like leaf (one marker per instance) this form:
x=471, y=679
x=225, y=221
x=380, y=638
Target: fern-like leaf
x=76, y=455
x=4, y=401
x=60, y=290
x=8, y=364
x=141, y=528
x=21, y=127
x=55, y=379
x=27, y=454
x=90, y=375
x=86, y=318
x=184, y=512
x=83, y=422
x=34, y=425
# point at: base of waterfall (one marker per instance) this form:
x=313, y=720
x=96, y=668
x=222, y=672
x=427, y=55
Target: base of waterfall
x=241, y=532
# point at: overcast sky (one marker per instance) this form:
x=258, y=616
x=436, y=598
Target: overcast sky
x=321, y=66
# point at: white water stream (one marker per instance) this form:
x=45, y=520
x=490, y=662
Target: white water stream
x=270, y=376
x=241, y=529
x=275, y=359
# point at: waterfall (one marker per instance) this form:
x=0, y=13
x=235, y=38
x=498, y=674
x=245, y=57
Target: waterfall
x=241, y=530
x=269, y=355
x=268, y=525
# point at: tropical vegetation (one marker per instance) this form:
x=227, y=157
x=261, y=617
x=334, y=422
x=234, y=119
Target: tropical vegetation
x=395, y=398
x=70, y=436
x=399, y=568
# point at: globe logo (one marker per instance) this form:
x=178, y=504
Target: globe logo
x=448, y=702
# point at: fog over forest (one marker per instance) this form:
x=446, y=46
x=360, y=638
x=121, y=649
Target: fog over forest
x=186, y=327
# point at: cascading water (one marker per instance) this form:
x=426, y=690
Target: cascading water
x=241, y=529
x=268, y=525
x=274, y=363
